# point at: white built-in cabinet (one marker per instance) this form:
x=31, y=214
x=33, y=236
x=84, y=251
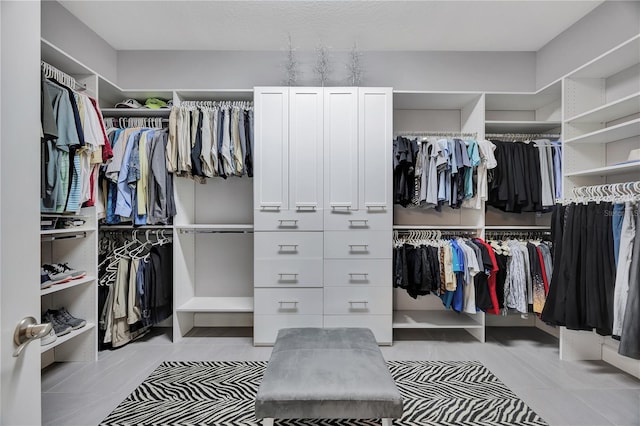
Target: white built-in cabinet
x=315, y=210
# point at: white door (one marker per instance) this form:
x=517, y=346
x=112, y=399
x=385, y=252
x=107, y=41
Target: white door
x=305, y=148
x=375, y=110
x=271, y=170
x=341, y=149
x=19, y=207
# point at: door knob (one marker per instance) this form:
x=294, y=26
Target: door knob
x=28, y=330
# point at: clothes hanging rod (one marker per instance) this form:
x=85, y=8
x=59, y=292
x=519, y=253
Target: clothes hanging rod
x=116, y=228
x=436, y=134
x=622, y=189
x=52, y=72
x=219, y=104
x=527, y=136
x=216, y=231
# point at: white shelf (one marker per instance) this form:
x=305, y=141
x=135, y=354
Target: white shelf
x=608, y=112
x=620, y=131
x=504, y=126
x=523, y=101
x=608, y=171
x=135, y=112
x=70, y=231
x=73, y=283
x=434, y=319
x=517, y=227
x=408, y=99
x=67, y=337
x=215, y=95
x=213, y=227
x=435, y=227
x=217, y=304
x=612, y=62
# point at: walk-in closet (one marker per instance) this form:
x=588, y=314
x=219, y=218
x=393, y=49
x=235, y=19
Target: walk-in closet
x=460, y=178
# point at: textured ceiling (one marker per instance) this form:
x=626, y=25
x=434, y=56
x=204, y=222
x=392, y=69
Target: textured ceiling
x=373, y=25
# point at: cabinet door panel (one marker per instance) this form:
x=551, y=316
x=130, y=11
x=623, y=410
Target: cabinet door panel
x=271, y=170
x=375, y=111
x=305, y=149
x=341, y=149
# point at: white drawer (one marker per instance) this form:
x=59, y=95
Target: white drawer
x=303, y=219
x=287, y=273
x=287, y=245
x=354, y=300
x=357, y=245
x=381, y=325
x=287, y=301
x=352, y=220
x=357, y=272
x=266, y=327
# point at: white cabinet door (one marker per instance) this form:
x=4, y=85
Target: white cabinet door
x=375, y=121
x=271, y=157
x=305, y=149
x=341, y=150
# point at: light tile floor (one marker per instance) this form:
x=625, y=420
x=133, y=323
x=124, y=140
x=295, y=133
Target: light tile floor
x=525, y=359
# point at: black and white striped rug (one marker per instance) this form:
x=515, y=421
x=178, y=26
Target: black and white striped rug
x=223, y=393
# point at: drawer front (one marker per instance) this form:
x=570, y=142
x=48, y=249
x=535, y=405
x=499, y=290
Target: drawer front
x=287, y=273
x=287, y=301
x=357, y=245
x=354, y=300
x=380, y=325
x=357, y=273
x=266, y=327
x=287, y=245
x=301, y=219
x=352, y=220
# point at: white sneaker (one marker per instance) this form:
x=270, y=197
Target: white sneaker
x=49, y=338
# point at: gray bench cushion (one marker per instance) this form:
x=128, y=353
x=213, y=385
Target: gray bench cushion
x=317, y=373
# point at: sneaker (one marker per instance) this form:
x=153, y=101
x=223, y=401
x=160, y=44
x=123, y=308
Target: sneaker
x=129, y=103
x=56, y=274
x=49, y=338
x=59, y=327
x=64, y=268
x=46, y=281
x=69, y=319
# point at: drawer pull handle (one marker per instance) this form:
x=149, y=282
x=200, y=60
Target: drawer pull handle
x=358, y=302
x=364, y=275
x=341, y=207
x=302, y=207
x=292, y=223
x=358, y=247
x=358, y=222
x=270, y=208
x=288, y=247
x=377, y=206
x=285, y=275
x=285, y=303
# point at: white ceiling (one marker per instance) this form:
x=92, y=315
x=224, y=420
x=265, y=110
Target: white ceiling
x=374, y=25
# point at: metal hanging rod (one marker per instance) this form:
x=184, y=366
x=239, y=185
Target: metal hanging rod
x=52, y=72
x=48, y=238
x=135, y=122
x=216, y=231
x=218, y=104
x=501, y=234
x=438, y=134
x=522, y=136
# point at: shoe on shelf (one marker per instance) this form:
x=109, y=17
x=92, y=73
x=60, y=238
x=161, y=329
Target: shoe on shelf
x=64, y=316
x=47, y=281
x=59, y=327
x=63, y=268
x=49, y=338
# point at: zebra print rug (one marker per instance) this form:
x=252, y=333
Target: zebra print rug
x=223, y=393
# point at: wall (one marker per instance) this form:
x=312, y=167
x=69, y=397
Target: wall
x=471, y=71
x=605, y=27
x=66, y=32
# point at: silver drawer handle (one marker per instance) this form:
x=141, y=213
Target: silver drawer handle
x=289, y=247
x=284, y=303
x=284, y=275
x=310, y=207
x=358, y=247
x=377, y=206
x=341, y=207
x=364, y=275
x=358, y=302
x=268, y=207
x=358, y=222
x=288, y=222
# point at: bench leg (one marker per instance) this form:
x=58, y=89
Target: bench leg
x=387, y=422
x=269, y=422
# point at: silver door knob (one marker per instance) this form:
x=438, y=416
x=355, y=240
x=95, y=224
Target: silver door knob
x=28, y=330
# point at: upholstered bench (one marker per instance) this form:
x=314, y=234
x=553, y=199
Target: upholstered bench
x=334, y=373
